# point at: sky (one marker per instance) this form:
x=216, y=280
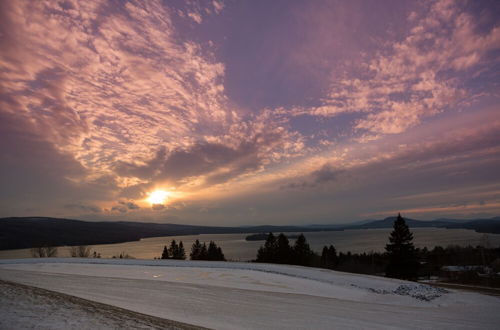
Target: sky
x=249, y=112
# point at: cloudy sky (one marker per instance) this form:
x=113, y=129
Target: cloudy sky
x=249, y=112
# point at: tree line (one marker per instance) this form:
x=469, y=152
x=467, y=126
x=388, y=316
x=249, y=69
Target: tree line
x=278, y=250
x=199, y=251
x=401, y=258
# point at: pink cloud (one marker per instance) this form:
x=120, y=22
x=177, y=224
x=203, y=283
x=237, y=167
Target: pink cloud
x=127, y=96
x=218, y=6
x=414, y=78
x=114, y=85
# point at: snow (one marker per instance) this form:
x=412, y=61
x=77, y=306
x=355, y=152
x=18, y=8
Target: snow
x=229, y=295
x=26, y=307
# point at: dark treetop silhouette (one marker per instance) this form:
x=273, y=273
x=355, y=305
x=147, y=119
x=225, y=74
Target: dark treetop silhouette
x=403, y=261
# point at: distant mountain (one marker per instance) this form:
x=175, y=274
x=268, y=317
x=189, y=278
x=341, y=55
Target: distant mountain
x=412, y=223
x=19, y=233
x=491, y=225
x=485, y=224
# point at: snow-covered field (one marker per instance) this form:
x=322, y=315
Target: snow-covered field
x=26, y=307
x=226, y=295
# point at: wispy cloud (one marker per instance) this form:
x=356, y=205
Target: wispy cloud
x=228, y=102
x=129, y=88
x=420, y=76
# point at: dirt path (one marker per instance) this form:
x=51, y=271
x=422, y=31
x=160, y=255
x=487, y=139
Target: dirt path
x=26, y=307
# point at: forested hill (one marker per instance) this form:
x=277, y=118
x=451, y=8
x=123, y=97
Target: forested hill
x=27, y=232
x=19, y=233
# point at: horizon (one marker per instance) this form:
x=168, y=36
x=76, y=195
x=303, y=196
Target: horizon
x=299, y=225
x=246, y=113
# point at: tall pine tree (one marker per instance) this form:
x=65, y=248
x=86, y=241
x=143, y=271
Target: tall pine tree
x=267, y=253
x=283, y=250
x=195, y=250
x=214, y=252
x=220, y=254
x=302, y=253
x=181, y=253
x=329, y=257
x=403, y=262
x=203, y=252
x=173, y=250
x=165, y=255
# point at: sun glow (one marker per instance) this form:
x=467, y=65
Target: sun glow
x=158, y=197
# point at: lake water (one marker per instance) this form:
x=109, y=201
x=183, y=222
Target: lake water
x=235, y=247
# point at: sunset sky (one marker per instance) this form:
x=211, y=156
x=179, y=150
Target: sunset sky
x=249, y=112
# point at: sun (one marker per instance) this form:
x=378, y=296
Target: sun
x=158, y=197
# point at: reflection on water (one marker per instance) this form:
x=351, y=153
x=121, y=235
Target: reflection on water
x=236, y=248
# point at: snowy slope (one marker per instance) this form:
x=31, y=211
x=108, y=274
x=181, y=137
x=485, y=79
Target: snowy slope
x=25, y=307
x=244, y=295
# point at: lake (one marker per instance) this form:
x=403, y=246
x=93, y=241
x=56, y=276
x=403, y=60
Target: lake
x=235, y=247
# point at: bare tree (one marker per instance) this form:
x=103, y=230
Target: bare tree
x=44, y=251
x=50, y=251
x=38, y=252
x=81, y=251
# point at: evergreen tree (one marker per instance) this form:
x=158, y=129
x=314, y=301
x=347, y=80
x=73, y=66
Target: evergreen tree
x=332, y=256
x=165, y=255
x=324, y=256
x=329, y=257
x=173, y=250
x=203, y=252
x=195, y=250
x=181, y=253
x=283, y=250
x=261, y=255
x=403, y=262
x=267, y=253
x=214, y=252
x=302, y=253
x=220, y=254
